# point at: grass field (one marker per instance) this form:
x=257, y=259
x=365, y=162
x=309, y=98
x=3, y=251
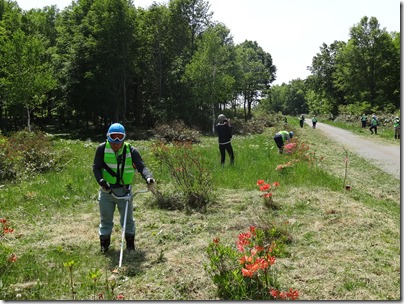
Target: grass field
x=345, y=244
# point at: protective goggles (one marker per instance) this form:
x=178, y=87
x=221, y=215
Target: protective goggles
x=116, y=137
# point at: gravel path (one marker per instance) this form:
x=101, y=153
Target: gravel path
x=383, y=155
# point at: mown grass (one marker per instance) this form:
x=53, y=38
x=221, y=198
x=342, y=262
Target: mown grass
x=345, y=244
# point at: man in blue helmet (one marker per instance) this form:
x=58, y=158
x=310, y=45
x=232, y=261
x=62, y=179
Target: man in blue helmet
x=280, y=139
x=114, y=167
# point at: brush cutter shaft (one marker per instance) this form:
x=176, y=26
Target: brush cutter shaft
x=123, y=233
x=127, y=197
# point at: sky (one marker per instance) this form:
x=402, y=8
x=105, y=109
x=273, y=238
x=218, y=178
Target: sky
x=291, y=31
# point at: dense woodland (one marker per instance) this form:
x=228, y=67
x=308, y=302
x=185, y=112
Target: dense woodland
x=102, y=61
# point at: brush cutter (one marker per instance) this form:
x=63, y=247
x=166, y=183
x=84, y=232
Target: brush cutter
x=126, y=197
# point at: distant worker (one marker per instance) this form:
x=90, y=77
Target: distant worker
x=314, y=121
x=373, y=124
x=224, y=133
x=280, y=139
x=301, y=120
x=364, y=120
x=396, y=124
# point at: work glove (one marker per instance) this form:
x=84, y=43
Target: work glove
x=151, y=183
x=104, y=185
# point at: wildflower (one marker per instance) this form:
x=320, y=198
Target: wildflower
x=253, y=251
x=3, y=220
x=282, y=295
x=265, y=187
x=267, y=195
x=245, y=259
x=259, y=248
x=275, y=184
x=292, y=294
x=252, y=230
x=216, y=240
x=260, y=182
x=8, y=230
x=274, y=293
x=261, y=263
x=271, y=259
x=12, y=258
x=243, y=240
x=120, y=297
x=247, y=273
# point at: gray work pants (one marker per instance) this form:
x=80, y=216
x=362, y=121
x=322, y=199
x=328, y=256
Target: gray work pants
x=107, y=205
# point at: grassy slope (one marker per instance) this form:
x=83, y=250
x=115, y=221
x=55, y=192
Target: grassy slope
x=346, y=245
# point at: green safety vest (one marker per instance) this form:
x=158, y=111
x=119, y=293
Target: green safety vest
x=126, y=170
x=314, y=119
x=374, y=122
x=364, y=118
x=285, y=135
x=396, y=123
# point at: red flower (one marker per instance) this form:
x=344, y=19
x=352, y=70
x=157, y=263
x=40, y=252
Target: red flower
x=292, y=294
x=274, y=293
x=259, y=248
x=252, y=230
x=216, y=240
x=265, y=187
x=3, y=220
x=12, y=258
x=247, y=273
x=245, y=259
x=260, y=182
x=261, y=263
x=275, y=184
x=8, y=230
x=120, y=297
x=267, y=195
x=271, y=259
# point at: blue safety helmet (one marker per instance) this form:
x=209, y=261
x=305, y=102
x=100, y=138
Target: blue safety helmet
x=291, y=134
x=116, y=133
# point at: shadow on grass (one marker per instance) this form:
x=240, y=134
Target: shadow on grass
x=132, y=261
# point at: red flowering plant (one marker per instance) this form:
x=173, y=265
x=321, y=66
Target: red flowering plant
x=247, y=271
x=267, y=188
x=5, y=228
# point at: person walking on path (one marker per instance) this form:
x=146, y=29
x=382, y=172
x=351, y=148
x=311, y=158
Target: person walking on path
x=301, y=120
x=314, y=121
x=114, y=167
x=280, y=138
x=224, y=134
x=396, y=124
x=373, y=124
x=364, y=120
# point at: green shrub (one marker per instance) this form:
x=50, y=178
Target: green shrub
x=26, y=153
x=177, y=131
x=191, y=177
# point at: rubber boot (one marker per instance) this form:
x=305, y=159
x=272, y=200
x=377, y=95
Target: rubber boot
x=130, y=242
x=105, y=241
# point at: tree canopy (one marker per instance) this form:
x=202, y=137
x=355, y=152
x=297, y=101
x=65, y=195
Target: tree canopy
x=103, y=61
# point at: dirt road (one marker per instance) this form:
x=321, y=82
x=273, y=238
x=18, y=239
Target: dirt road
x=383, y=155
